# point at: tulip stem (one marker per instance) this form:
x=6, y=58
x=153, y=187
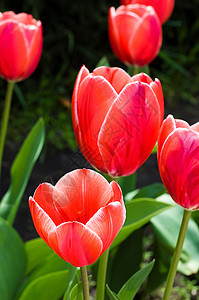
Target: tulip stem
x=176, y=255
x=101, y=275
x=5, y=118
x=132, y=70
x=85, y=282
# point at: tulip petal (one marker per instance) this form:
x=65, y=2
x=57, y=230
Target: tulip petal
x=81, y=75
x=12, y=66
x=147, y=40
x=107, y=222
x=127, y=24
x=181, y=124
x=75, y=243
x=45, y=196
x=114, y=34
x=41, y=220
x=179, y=167
x=195, y=127
x=163, y=8
x=157, y=88
x=167, y=128
x=86, y=191
x=130, y=129
x=34, y=38
x=117, y=192
x=117, y=77
x=95, y=96
x=142, y=77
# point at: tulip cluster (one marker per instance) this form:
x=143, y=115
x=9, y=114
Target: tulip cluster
x=117, y=121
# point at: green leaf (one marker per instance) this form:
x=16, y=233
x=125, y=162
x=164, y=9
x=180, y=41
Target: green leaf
x=164, y=56
x=21, y=170
x=12, y=261
x=138, y=213
x=127, y=183
x=166, y=227
x=74, y=278
x=51, y=286
x=130, y=288
x=43, y=260
x=119, y=268
x=153, y=190
x=111, y=294
x=154, y=149
x=53, y=263
x=36, y=250
x=77, y=291
x=103, y=62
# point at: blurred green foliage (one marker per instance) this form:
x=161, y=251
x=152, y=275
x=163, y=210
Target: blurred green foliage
x=75, y=33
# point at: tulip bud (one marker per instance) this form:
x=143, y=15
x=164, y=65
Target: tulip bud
x=135, y=33
x=163, y=8
x=178, y=160
x=20, y=45
x=116, y=118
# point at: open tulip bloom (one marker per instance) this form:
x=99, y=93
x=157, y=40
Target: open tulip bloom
x=80, y=216
x=135, y=33
x=116, y=118
x=178, y=160
x=163, y=8
x=21, y=45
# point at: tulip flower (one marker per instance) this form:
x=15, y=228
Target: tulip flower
x=80, y=216
x=116, y=118
x=20, y=45
x=178, y=160
x=163, y=8
x=135, y=33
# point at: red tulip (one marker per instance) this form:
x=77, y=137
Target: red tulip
x=163, y=8
x=20, y=45
x=116, y=118
x=79, y=217
x=178, y=159
x=135, y=33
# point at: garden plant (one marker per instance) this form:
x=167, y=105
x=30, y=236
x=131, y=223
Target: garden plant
x=99, y=236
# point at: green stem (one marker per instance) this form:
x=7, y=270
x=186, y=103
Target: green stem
x=132, y=70
x=5, y=118
x=103, y=262
x=176, y=255
x=101, y=275
x=85, y=282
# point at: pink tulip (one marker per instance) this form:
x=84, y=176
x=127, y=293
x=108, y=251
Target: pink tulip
x=20, y=45
x=135, y=33
x=116, y=118
x=163, y=8
x=178, y=160
x=79, y=217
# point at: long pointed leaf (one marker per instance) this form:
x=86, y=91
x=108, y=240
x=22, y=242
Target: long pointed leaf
x=21, y=170
x=138, y=213
x=130, y=288
x=12, y=261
